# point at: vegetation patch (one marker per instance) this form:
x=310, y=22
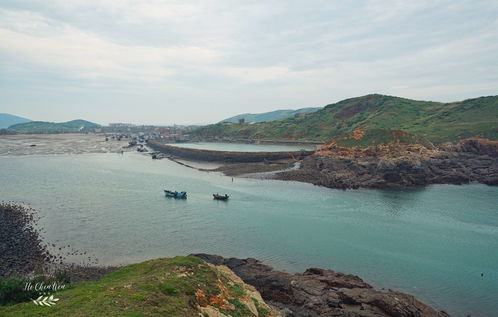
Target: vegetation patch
x=433, y=121
x=180, y=286
x=52, y=127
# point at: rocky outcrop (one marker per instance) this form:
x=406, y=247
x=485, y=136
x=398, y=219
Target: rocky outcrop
x=23, y=253
x=319, y=292
x=21, y=249
x=470, y=161
x=478, y=146
x=174, y=287
x=246, y=295
x=225, y=156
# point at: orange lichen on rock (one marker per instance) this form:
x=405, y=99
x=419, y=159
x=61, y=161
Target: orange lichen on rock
x=200, y=298
x=357, y=134
x=218, y=301
x=403, y=151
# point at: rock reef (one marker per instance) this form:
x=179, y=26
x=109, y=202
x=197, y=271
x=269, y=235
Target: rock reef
x=400, y=165
x=319, y=292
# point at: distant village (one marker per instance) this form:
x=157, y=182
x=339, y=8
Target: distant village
x=143, y=133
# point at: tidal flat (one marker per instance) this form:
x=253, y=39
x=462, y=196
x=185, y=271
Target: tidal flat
x=49, y=144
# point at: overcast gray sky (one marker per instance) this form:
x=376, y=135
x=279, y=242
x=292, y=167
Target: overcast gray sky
x=163, y=62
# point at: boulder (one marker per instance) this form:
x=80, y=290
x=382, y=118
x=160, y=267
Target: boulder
x=320, y=292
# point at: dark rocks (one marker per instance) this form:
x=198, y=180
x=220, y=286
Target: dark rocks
x=319, y=292
x=371, y=172
x=399, y=165
x=478, y=146
x=23, y=253
x=21, y=250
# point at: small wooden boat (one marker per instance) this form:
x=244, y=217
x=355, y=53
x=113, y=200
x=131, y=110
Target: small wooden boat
x=220, y=197
x=175, y=194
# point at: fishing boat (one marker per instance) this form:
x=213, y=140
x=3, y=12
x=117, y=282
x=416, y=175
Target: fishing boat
x=220, y=197
x=175, y=194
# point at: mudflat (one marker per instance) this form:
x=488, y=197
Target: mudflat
x=43, y=144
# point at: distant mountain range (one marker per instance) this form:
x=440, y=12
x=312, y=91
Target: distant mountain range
x=270, y=116
x=375, y=119
x=7, y=120
x=52, y=127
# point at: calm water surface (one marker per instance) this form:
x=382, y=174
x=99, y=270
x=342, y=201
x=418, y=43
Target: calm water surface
x=241, y=147
x=432, y=243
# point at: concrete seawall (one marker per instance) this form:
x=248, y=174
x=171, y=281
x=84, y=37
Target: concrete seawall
x=225, y=156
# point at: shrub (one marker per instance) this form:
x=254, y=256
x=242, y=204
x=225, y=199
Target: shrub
x=12, y=292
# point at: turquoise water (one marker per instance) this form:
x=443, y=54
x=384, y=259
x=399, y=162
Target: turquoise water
x=241, y=147
x=432, y=243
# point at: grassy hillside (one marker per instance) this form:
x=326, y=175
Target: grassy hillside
x=180, y=286
x=52, y=127
x=270, y=116
x=378, y=117
x=7, y=120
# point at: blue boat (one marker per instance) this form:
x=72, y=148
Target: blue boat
x=175, y=194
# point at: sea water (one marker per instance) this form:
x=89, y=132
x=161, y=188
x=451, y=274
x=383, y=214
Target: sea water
x=431, y=242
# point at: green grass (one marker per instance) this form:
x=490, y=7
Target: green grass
x=377, y=115
x=12, y=290
x=160, y=287
x=262, y=311
x=236, y=289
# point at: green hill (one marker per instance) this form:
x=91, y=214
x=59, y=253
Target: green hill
x=378, y=116
x=52, y=127
x=180, y=286
x=270, y=116
x=7, y=120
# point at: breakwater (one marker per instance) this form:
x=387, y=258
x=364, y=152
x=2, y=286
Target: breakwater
x=226, y=156
x=258, y=141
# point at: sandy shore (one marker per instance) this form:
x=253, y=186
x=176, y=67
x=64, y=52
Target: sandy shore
x=43, y=144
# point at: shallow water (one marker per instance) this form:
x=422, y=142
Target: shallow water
x=242, y=147
x=432, y=242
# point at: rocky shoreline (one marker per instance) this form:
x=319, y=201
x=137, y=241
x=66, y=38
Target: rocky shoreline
x=21, y=249
x=402, y=165
x=383, y=166
x=24, y=254
x=318, y=292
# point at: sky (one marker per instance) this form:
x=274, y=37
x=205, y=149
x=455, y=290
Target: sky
x=197, y=62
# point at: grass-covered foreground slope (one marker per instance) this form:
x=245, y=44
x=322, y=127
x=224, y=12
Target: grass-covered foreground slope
x=180, y=286
x=379, y=118
x=52, y=127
